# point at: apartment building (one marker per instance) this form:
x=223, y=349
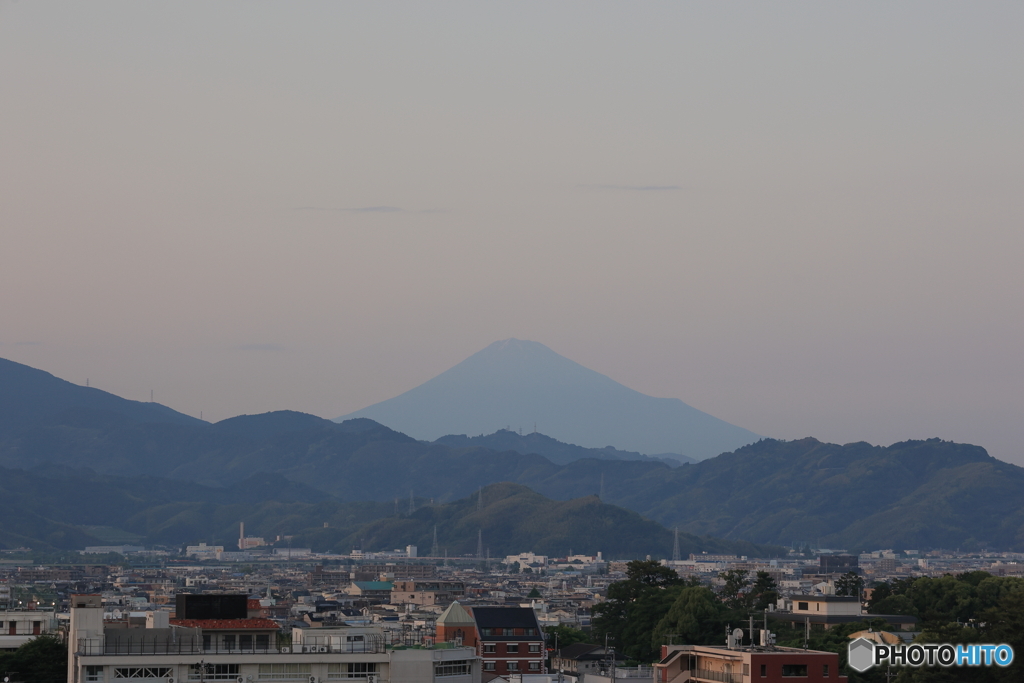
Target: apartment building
x=719, y=664
x=426, y=592
x=17, y=627
x=218, y=650
x=508, y=639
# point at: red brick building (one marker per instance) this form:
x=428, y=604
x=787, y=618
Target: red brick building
x=508, y=639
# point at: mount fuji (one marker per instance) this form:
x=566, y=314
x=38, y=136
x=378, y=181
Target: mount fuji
x=519, y=383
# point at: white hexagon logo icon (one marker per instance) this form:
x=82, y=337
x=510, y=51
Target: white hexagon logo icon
x=861, y=655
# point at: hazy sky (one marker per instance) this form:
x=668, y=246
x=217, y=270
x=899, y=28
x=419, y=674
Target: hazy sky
x=803, y=218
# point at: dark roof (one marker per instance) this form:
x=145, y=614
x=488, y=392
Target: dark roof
x=577, y=651
x=505, y=617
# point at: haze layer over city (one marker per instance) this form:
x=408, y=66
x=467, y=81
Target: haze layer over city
x=802, y=219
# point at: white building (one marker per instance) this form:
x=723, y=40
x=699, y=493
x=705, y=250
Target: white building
x=229, y=650
x=203, y=551
x=17, y=627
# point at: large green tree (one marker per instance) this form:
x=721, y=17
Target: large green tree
x=41, y=660
x=696, y=617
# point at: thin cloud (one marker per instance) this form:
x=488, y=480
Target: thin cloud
x=636, y=188
x=358, y=209
x=259, y=347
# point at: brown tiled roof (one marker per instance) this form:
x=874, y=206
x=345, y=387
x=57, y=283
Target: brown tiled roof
x=226, y=624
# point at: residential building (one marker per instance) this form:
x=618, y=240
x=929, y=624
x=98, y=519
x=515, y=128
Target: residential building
x=508, y=639
x=720, y=664
x=826, y=611
x=838, y=564
x=196, y=651
x=582, y=659
x=426, y=592
x=17, y=627
x=371, y=590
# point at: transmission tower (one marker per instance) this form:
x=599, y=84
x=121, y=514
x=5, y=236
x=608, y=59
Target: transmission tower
x=434, y=550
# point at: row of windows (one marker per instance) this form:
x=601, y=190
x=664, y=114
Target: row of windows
x=456, y=667
x=511, y=648
x=794, y=670
x=245, y=641
x=508, y=631
x=512, y=666
x=230, y=671
x=277, y=672
x=213, y=672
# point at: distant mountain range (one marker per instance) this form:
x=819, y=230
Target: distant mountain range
x=916, y=494
x=518, y=383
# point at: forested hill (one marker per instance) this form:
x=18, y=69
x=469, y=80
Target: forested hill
x=66, y=509
x=916, y=494
x=554, y=450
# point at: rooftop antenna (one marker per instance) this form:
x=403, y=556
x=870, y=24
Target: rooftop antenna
x=676, y=555
x=434, y=552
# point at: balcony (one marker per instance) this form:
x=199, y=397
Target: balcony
x=719, y=676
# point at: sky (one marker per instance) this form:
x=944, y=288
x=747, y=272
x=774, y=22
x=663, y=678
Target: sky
x=804, y=218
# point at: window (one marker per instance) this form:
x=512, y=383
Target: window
x=746, y=670
x=351, y=670
x=513, y=666
x=764, y=671
x=534, y=666
x=824, y=670
x=490, y=648
x=286, y=672
x=488, y=666
x=93, y=673
x=36, y=627
x=534, y=647
x=794, y=669
x=228, y=641
x=135, y=672
x=263, y=642
x=802, y=605
x=214, y=672
x=206, y=641
x=456, y=667
x=245, y=641
x=512, y=648
x=487, y=631
x=531, y=631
